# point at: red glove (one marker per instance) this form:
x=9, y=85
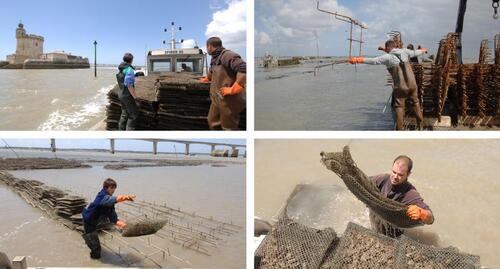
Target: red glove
x=356, y=60
x=123, y=198
x=417, y=213
x=120, y=224
x=233, y=90
x=204, y=80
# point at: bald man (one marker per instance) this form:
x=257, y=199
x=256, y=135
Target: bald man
x=395, y=186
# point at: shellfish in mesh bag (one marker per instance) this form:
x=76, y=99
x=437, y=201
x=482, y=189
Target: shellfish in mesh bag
x=342, y=164
x=293, y=245
x=143, y=227
x=360, y=247
x=414, y=255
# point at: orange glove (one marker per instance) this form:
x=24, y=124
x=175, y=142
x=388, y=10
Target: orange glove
x=417, y=213
x=424, y=50
x=204, y=80
x=356, y=60
x=233, y=90
x=120, y=224
x=123, y=198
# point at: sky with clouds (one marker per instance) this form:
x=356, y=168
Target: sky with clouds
x=122, y=26
x=290, y=27
x=229, y=22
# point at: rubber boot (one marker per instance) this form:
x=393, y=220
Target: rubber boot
x=92, y=241
x=122, y=124
x=419, y=118
x=400, y=113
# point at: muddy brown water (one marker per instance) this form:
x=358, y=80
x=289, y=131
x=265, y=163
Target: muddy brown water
x=457, y=178
x=218, y=192
x=292, y=98
x=67, y=99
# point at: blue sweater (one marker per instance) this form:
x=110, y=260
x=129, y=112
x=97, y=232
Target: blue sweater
x=103, y=205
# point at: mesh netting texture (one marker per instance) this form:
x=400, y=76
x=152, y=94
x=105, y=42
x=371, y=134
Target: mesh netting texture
x=143, y=227
x=360, y=247
x=293, y=245
x=414, y=255
x=342, y=164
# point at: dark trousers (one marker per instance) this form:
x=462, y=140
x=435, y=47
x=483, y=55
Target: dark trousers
x=92, y=240
x=129, y=115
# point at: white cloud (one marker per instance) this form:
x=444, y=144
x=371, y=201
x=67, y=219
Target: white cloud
x=292, y=23
x=230, y=25
x=262, y=38
x=216, y=4
x=296, y=17
x=188, y=44
x=425, y=22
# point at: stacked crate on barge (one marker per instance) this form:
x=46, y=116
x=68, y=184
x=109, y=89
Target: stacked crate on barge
x=167, y=102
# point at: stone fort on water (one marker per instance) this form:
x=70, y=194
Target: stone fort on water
x=29, y=55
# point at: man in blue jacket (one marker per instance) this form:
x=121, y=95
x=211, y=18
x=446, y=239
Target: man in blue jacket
x=103, y=206
x=127, y=94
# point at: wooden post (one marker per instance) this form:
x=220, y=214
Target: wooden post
x=19, y=262
x=95, y=58
x=53, y=144
x=155, y=147
x=112, y=145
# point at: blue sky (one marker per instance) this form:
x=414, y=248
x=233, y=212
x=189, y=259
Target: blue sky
x=118, y=26
x=120, y=144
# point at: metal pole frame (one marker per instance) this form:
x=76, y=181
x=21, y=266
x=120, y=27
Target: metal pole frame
x=95, y=58
x=352, y=22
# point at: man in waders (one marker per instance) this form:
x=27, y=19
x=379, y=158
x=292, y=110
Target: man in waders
x=227, y=78
x=103, y=206
x=395, y=186
x=405, y=86
x=126, y=94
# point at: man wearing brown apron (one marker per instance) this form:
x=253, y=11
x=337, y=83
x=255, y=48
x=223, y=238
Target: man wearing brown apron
x=395, y=186
x=227, y=78
x=404, y=84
